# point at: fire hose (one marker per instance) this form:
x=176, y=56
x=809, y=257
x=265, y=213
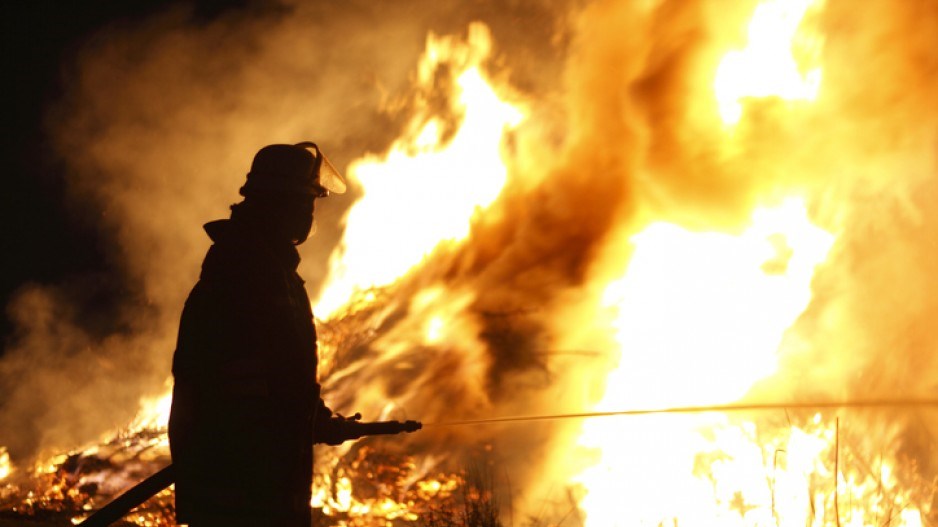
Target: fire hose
x=742, y=407
x=146, y=489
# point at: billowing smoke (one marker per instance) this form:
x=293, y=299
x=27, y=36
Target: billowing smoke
x=163, y=119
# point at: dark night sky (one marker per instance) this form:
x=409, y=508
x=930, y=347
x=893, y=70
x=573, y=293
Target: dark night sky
x=43, y=242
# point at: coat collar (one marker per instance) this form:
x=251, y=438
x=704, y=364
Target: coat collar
x=249, y=242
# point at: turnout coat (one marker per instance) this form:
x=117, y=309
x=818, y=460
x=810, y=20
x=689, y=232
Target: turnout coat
x=246, y=401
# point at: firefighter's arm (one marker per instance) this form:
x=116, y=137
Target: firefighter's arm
x=335, y=429
x=328, y=427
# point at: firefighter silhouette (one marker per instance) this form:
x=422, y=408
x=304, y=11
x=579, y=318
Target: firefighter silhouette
x=246, y=402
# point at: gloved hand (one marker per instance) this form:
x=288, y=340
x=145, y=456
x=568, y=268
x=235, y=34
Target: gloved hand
x=339, y=429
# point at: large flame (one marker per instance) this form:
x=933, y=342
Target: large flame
x=431, y=183
x=701, y=315
x=700, y=318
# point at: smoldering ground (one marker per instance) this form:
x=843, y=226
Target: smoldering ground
x=162, y=119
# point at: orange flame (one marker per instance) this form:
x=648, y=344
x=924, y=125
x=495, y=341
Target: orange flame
x=428, y=187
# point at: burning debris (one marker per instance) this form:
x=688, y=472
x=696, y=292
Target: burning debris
x=65, y=489
x=366, y=487
x=363, y=488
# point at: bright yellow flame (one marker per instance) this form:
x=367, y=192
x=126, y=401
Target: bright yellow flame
x=6, y=467
x=435, y=327
x=378, y=510
x=154, y=411
x=343, y=494
x=700, y=317
x=425, y=191
x=767, y=67
x=441, y=311
x=701, y=314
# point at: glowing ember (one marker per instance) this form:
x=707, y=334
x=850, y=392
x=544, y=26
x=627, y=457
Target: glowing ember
x=767, y=66
x=429, y=186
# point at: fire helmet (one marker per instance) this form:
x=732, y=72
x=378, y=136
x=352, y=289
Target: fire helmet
x=295, y=169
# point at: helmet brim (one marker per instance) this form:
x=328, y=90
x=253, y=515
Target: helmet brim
x=330, y=178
